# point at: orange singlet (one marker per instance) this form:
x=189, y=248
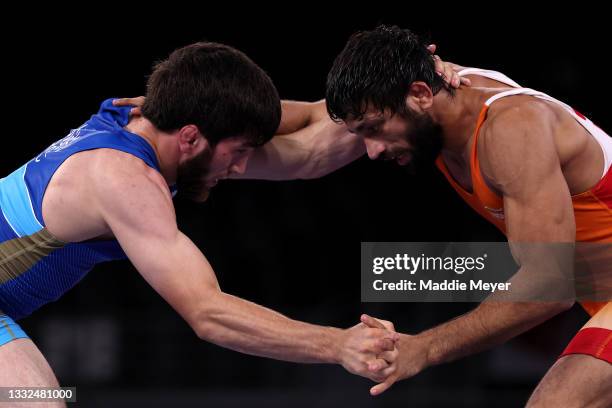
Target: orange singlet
x=592, y=208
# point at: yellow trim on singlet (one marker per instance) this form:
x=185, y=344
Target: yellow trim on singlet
x=8, y=329
x=20, y=254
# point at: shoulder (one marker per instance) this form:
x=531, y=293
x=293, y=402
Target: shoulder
x=517, y=137
x=518, y=116
x=117, y=177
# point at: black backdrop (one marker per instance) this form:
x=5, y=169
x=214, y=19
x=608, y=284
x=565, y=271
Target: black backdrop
x=292, y=246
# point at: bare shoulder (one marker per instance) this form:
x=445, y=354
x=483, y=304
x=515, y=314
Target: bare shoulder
x=517, y=135
x=91, y=185
x=123, y=187
x=113, y=169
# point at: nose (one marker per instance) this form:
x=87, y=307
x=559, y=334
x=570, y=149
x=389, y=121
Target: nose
x=239, y=167
x=374, y=148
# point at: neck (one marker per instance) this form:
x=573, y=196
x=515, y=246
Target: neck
x=457, y=115
x=167, y=156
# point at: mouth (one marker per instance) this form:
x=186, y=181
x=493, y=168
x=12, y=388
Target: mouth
x=213, y=181
x=400, y=158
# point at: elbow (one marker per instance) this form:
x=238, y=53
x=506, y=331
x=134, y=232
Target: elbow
x=313, y=171
x=566, y=305
x=203, y=325
x=203, y=319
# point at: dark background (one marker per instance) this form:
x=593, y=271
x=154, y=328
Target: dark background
x=292, y=246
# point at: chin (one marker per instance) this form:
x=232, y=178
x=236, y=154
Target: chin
x=202, y=197
x=199, y=197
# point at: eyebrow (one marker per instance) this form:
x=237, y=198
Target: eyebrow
x=367, y=123
x=249, y=144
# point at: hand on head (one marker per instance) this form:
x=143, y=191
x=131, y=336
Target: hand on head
x=447, y=70
x=136, y=102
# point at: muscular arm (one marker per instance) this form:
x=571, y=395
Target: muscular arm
x=138, y=209
x=308, y=145
x=519, y=155
x=521, y=158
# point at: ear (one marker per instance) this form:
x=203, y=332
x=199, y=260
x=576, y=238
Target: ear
x=190, y=139
x=420, y=97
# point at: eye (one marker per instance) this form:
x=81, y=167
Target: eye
x=372, y=130
x=243, y=150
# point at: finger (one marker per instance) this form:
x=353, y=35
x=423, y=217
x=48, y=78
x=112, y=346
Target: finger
x=465, y=81
x=388, y=325
x=138, y=101
x=135, y=112
x=455, y=80
x=432, y=48
x=376, y=334
x=385, y=345
x=391, y=335
x=388, y=371
x=378, y=346
x=439, y=65
x=388, y=356
x=377, y=365
x=382, y=387
x=372, y=322
x=121, y=102
x=451, y=76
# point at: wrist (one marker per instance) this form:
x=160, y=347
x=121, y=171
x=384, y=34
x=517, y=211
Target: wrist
x=334, y=349
x=426, y=343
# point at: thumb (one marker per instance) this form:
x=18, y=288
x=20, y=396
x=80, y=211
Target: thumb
x=382, y=387
x=432, y=48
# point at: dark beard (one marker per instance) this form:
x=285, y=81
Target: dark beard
x=191, y=177
x=426, y=141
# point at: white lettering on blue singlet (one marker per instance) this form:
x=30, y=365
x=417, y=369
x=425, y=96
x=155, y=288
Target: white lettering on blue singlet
x=61, y=144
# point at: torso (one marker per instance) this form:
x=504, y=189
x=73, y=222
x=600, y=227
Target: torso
x=580, y=156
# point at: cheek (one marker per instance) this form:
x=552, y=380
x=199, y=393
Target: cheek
x=398, y=132
x=220, y=161
x=400, y=138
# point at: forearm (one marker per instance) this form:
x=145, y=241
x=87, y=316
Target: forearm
x=490, y=324
x=312, y=152
x=243, y=326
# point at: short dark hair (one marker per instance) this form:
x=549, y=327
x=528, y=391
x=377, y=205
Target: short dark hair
x=218, y=89
x=375, y=70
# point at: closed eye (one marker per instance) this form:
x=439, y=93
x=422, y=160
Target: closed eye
x=372, y=130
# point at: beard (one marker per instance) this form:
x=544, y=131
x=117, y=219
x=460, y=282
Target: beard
x=191, y=176
x=425, y=140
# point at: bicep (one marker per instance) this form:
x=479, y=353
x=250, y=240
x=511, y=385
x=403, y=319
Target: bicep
x=522, y=161
x=537, y=204
x=311, y=152
x=541, y=231
x=297, y=115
